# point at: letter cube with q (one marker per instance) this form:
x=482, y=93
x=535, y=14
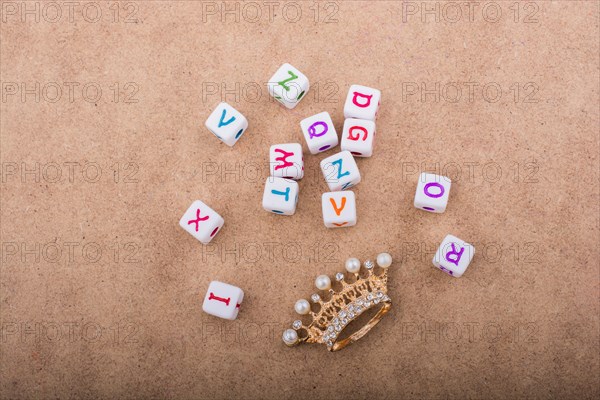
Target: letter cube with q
x=201, y=221
x=288, y=85
x=319, y=132
x=362, y=103
x=340, y=171
x=357, y=137
x=453, y=256
x=226, y=123
x=280, y=196
x=339, y=209
x=223, y=300
x=432, y=192
x=286, y=161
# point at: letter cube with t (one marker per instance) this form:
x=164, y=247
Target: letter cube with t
x=339, y=209
x=223, y=300
x=340, y=171
x=362, y=102
x=319, y=133
x=227, y=124
x=454, y=256
x=286, y=161
x=288, y=86
x=357, y=137
x=280, y=196
x=432, y=192
x=201, y=221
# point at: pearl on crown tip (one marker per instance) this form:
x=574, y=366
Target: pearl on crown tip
x=302, y=307
x=384, y=260
x=353, y=265
x=290, y=337
x=323, y=282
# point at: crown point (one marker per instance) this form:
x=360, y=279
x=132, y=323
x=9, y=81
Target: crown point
x=290, y=337
x=323, y=282
x=384, y=260
x=369, y=264
x=353, y=265
x=297, y=324
x=302, y=307
x=339, y=277
x=315, y=298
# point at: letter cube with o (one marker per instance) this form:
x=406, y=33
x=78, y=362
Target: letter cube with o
x=453, y=256
x=432, y=192
x=288, y=85
x=223, y=300
x=227, y=124
x=340, y=171
x=280, y=196
x=201, y=221
x=339, y=209
x=286, y=161
x=319, y=132
x=357, y=137
x=362, y=103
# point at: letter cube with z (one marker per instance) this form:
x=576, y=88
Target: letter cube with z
x=340, y=171
x=432, y=192
x=280, y=196
x=286, y=161
x=453, y=256
x=223, y=300
x=288, y=85
x=319, y=133
x=201, y=221
x=227, y=124
x=362, y=102
x=357, y=137
x=339, y=209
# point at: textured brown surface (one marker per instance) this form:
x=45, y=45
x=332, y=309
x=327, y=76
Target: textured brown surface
x=100, y=288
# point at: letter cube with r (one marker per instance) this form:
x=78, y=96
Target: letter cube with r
x=453, y=256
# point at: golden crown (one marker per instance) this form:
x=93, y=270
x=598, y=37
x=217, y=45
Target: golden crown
x=343, y=305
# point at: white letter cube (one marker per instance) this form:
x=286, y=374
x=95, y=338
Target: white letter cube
x=227, y=124
x=362, y=102
x=432, y=192
x=280, y=196
x=286, y=161
x=340, y=171
x=453, y=256
x=319, y=133
x=288, y=85
x=357, y=137
x=339, y=209
x=201, y=221
x=223, y=300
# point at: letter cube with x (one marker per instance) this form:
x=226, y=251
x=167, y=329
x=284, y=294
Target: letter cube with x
x=362, y=102
x=223, y=300
x=340, y=171
x=288, y=85
x=201, y=221
x=339, y=209
x=227, y=124
x=280, y=196
x=453, y=256
x=432, y=192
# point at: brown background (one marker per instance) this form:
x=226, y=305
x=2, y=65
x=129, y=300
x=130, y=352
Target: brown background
x=101, y=289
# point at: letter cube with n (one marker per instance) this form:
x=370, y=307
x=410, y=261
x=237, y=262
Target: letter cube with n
x=362, y=103
x=339, y=209
x=340, y=171
x=226, y=123
x=319, y=132
x=432, y=192
x=357, y=137
x=280, y=196
x=223, y=300
x=286, y=161
x=201, y=221
x=453, y=256
x=288, y=85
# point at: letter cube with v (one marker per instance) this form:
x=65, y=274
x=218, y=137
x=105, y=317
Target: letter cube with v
x=227, y=124
x=223, y=300
x=432, y=192
x=201, y=221
x=453, y=256
x=280, y=196
x=286, y=161
x=339, y=209
x=357, y=137
x=288, y=86
x=340, y=171
x=362, y=102
x=319, y=133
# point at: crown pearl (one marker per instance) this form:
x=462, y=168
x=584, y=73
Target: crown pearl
x=323, y=282
x=384, y=260
x=302, y=307
x=290, y=337
x=353, y=265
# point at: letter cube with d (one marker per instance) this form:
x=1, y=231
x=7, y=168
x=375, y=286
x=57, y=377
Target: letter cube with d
x=288, y=85
x=280, y=196
x=432, y=192
x=340, y=171
x=339, y=209
x=362, y=103
x=286, y=161
x=227, y=124
x=319, y=132
x=453, y=256
x=357, y=137
x=201, y=221
x=223, y=300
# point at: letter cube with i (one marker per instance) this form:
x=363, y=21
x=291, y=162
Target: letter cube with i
x=288, y=85
x=286, y=161
x=280, y=196
x=453, y=256
x=201, y=221
x=227, y=124
x=362, y=103
x=339, y=209
x=340, y=171
x=357, y=137
x=432, y=192
x=319, y=133
x=223, y=300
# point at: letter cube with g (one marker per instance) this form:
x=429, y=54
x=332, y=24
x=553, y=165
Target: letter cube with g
x=201, y=221
x=357, y=137
x=286, y=161
x=339, y=209
x=432, y=192
x=288, y=85
x=340, y=171
x=280, y=196
x=453, y=256
x=227, y=124
x=223, y=300
x=319, y=132
x=362, y=102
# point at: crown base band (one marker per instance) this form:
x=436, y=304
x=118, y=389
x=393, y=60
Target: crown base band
x=340, y=344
